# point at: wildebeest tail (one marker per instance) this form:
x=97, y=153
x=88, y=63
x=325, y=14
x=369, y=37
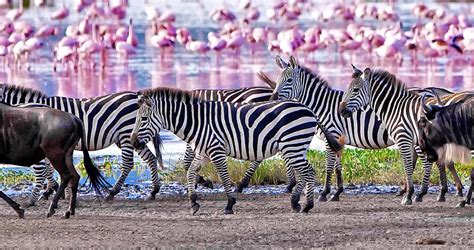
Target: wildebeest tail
x=96, y=178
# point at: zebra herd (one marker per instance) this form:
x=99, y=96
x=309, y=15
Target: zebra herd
x=252, y=124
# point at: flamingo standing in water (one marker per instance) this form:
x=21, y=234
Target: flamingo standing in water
x=14, y=14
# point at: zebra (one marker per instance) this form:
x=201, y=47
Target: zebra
x=363, y=129
x=399, y=108
x=107, y=120
x=216, y=130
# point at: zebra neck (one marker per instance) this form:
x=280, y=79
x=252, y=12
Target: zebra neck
x=66, y=104
x=392, y=102
x=320, y=98
x=182, y=118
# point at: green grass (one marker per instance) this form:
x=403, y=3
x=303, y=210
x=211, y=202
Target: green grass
x=11, y=177
x=358, y=166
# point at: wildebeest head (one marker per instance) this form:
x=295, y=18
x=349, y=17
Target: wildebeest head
x=430, y=139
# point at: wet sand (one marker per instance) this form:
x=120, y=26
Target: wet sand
x=260, y=221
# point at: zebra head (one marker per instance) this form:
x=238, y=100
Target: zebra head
x=358, y=95
x=288, y=82
x=147, y=123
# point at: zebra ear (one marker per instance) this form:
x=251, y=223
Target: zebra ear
x=281, y=64
x=293, y=63
x=367, y=73
x=357, y=72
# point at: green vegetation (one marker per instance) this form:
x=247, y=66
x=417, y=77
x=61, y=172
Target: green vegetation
x=358, y=166
x=11, y=177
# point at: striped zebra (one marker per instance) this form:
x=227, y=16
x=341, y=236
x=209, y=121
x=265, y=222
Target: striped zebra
x=107, y=120
x=242, y=95
x=363, y=129
x=399, y=108
x=250, y=132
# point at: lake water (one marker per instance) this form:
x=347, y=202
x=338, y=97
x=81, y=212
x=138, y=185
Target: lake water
x=150, y=67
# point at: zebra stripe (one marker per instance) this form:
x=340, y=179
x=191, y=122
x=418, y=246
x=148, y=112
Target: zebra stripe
x=214, y=129
x=107, y=120
x=399, y=109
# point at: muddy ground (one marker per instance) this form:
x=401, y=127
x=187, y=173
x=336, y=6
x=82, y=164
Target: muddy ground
x=260, y=221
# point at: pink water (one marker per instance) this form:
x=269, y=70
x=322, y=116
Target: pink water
x=150, y=67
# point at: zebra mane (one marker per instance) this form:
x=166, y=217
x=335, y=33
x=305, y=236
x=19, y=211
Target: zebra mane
x=318, y=78
x=9, y=88
x=392, y=79
x=173, y=93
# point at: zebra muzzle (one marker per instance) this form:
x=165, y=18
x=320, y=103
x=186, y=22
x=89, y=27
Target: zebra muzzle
x=343, y=110
x=136, y=143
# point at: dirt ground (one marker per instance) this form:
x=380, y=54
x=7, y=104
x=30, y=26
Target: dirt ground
x=260, y=221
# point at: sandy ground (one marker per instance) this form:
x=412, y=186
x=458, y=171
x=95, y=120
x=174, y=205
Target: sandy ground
x=260, y=221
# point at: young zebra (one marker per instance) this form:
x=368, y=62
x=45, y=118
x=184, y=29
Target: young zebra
x=107, y=120
x=399, y=108
x=216, y=130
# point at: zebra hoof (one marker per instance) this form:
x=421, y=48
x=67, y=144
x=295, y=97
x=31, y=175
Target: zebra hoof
x=195, y=208
x=308, y=207
x=67, y=215
x=228, y=211
x=208, y=184
x=400, y=193
x=419, y=198
x=334, y=198
x=295, y=205
x=296, y=208
x=459, y=193
x=322, y=198
x=406, y=201
x=462, y=204
x=441, y=199
x=109, y=198
x=50, y=213
x=21, y=213
x=28, y=204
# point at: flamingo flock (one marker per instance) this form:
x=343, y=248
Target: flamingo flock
x=105, y=30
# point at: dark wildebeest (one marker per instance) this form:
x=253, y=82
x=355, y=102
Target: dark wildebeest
x=30, y=134
x=447, y=133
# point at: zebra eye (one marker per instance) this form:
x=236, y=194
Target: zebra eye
x=289, y=80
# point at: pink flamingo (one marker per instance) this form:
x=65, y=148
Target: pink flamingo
x=167, y=17
x=47, y=30
x=60, y=14
x=15, y=13
x=30, y=46
x=132, y=38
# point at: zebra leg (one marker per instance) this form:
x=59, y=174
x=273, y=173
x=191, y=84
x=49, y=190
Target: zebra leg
x=191, y=178
x=426, y=178
x=468, y=198
x=291, y=162
x=218, y=158
x=457, y=180
x=406, y=150
x=290, y=173
x=339, y=181
x=443, y=181
x=52, y=183
x=151, y=161
x=39, y=171
x=189, y=156
x=331, y=157
x=248, y=175
x=308, y=175
x=127, y=165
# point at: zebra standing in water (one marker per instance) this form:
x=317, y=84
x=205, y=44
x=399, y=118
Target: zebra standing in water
x=363, y=129
x=107, y=120
x=399, y=108
x=216, y=130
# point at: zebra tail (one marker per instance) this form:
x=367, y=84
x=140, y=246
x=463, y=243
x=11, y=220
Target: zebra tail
x=97, y=180
x=158, y=143
x=264, y=77
x=330, y=139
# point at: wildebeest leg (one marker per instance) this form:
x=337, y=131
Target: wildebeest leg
x=247, y=176
x=126, y=167
x=14, y=205
x=73, y=184
x=468, y=198
x=151, y=161
x=457, y=180
x=189, y=156
x=443, y=182
x=59, y=164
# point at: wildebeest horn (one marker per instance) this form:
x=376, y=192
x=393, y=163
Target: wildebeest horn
x=426, y=107
x=438, y=99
